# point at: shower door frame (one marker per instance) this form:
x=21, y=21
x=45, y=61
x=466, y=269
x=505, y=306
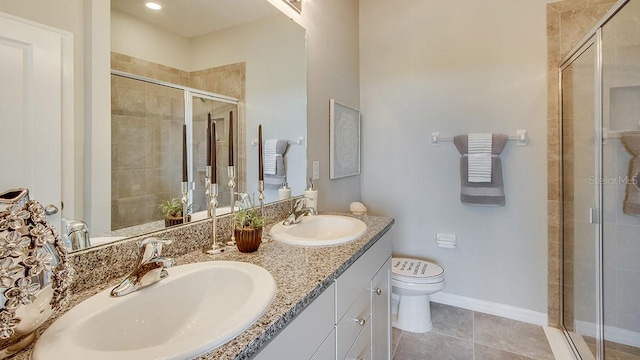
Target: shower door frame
x=595, y=213
x=592, y=38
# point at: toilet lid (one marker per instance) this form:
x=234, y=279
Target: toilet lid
x=414, y=270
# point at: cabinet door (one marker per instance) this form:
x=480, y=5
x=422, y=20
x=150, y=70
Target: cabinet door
x=306, y=333
x=381, y=313
x=327, y=350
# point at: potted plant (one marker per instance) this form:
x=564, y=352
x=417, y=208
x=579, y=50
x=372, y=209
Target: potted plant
x=248, y=224
x=172, y=210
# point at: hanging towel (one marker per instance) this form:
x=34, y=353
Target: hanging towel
x=479, y=146
x=631, y=142
x=487, y=192
x=270, y=156
x=275, y=172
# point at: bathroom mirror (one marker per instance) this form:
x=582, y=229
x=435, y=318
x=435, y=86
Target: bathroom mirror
x=257, y=56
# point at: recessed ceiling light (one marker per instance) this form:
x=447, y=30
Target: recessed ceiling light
x=153, y=6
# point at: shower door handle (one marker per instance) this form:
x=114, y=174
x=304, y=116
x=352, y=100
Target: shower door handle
x=593, y=216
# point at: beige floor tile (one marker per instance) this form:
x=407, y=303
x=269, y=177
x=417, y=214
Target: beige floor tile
x=482, y=352
x=512, y=336
x=453, y=321
x=432, y=346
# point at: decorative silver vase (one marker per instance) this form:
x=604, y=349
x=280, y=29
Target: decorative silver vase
x=34, y=272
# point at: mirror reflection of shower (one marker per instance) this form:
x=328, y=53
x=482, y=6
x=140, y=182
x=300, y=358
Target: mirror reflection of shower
x=146, y=137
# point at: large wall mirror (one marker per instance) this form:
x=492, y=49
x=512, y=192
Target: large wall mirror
x=241, y=62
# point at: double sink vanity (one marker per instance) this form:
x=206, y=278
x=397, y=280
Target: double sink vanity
x=319, y=290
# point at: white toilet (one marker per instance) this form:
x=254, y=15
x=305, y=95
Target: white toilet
x=412, y=281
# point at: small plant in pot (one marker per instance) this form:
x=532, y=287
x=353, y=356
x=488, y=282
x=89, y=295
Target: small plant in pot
x=248, y=229
x=172, y=210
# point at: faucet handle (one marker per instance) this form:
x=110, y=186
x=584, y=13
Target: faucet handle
x=300, y=204
x=151, y=247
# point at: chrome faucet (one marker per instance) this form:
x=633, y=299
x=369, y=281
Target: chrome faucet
x=149, y=259
x=299, y=210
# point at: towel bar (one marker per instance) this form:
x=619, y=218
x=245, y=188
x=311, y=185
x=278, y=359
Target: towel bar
x=300, y=142
x=520, y=138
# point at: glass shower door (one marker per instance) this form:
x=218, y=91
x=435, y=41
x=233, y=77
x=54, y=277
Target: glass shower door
x=621, y=189
x=579, y=189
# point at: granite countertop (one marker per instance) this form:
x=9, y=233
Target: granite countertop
x=301, y=274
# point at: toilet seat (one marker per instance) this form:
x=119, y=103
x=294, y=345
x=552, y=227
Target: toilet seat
x=416, y=271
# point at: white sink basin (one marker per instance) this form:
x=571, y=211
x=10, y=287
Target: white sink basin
x=320, y=230
x=197, y=308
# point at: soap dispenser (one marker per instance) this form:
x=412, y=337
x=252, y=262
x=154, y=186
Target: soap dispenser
x=311, y=194
x=284, y=192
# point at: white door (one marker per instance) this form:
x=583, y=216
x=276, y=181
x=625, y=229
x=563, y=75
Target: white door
x=31, y=68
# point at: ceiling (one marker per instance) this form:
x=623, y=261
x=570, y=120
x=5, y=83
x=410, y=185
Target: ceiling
x=190, y=18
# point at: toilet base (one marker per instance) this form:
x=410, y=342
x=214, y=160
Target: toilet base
x=413, y=314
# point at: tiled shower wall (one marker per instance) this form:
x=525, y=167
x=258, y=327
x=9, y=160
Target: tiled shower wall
x=567, y=22
x=147, y=137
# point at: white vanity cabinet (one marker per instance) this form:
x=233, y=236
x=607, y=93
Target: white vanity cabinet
x=363, y=294
x=350, y=320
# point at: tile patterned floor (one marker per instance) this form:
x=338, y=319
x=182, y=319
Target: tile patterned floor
x=460, y=334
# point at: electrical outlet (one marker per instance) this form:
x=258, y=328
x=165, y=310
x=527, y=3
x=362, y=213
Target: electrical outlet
x=316, y=170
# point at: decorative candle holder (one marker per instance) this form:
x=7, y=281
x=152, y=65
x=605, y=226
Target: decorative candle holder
x=261, y=196
x=231, y=172
x=216, y=248
x=185, y=201
x=207, y=181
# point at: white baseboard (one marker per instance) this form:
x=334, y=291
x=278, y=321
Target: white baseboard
x=506, y=311
x=613, y=334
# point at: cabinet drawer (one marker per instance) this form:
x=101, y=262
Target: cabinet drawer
x=361, y=349
x=358, y=275
x=354, y=320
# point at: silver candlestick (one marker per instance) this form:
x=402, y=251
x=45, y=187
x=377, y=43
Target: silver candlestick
x=261, y=196
x=207, y=181
x=231, y=172
x=216, y=248
x=185, y=201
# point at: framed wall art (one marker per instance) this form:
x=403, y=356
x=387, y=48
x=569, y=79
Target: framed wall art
x=344, y=140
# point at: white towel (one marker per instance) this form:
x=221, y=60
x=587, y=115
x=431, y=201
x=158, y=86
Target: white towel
x=270, y=156
x=479, y=147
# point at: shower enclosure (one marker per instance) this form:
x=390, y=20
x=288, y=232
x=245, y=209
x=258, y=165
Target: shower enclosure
x=146, y=146
x=600, y=114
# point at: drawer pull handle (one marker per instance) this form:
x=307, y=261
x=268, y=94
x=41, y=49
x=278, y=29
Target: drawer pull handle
x=360, y=321
x=378, y=291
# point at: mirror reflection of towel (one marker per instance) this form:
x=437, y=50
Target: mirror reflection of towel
x=275, y=172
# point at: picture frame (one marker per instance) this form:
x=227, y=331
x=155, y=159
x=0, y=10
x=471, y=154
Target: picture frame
x=344, y=140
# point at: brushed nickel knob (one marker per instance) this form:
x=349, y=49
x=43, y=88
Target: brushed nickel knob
x=360, y=321
x=50, y=210
x=378, y=291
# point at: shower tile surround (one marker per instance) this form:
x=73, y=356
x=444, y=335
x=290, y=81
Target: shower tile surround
x=301, y=273
x=141, y=177
x=567, y=22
